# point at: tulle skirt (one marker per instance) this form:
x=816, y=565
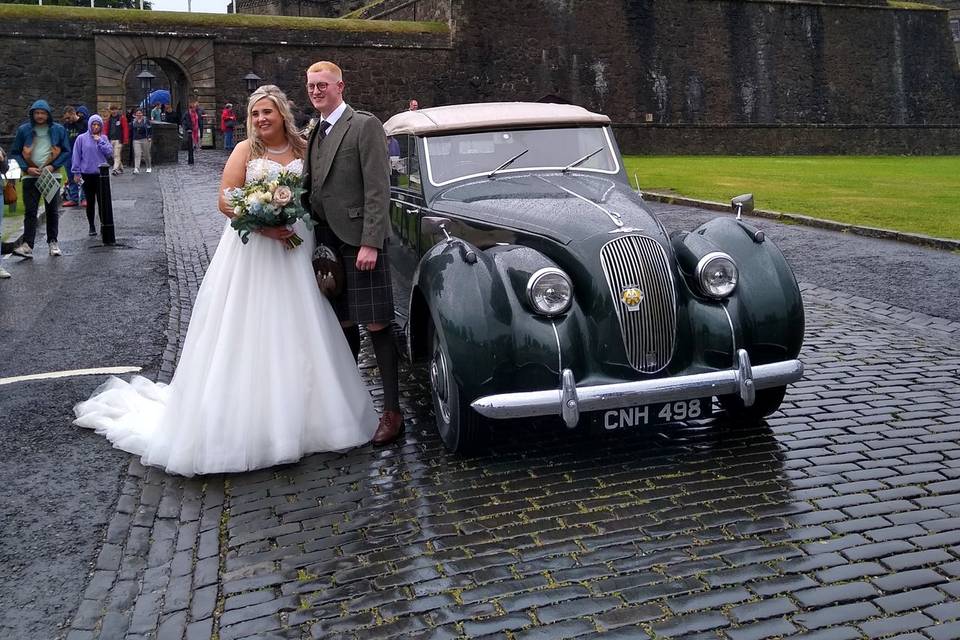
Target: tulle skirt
x=264, y=378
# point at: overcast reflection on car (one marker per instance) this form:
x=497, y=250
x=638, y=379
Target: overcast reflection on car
x=470, y=155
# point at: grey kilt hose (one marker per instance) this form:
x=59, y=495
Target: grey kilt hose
x=367, y=296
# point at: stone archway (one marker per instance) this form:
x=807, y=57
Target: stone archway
x=117, y=55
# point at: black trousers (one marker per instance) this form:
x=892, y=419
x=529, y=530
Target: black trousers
x=91, y=190
x=31, y=202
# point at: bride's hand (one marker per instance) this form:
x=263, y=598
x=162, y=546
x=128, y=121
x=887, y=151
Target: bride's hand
x=277, y=233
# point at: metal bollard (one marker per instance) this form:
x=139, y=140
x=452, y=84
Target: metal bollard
x=106, y=207
x=189, y=135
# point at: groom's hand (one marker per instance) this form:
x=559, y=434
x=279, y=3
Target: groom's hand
x=367, y=258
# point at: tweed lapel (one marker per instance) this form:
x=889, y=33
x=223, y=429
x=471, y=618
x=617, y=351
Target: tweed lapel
x=308, y=161
x=328, y=150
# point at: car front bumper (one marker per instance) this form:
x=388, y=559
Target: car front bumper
x=570, y=400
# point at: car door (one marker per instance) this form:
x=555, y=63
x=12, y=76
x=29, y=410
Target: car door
x=406, y=207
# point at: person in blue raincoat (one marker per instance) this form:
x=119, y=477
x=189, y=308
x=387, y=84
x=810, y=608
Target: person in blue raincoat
x=41, y=145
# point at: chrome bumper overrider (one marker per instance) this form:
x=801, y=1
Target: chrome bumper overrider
x=570, y=400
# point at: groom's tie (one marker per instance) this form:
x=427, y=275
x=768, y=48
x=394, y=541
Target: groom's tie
x=324, y=126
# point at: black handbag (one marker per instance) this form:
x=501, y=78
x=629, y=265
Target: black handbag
x=329, y=271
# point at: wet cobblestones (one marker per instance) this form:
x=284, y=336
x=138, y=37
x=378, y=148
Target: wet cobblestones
x=836, y=520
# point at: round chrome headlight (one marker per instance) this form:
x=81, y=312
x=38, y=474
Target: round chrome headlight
x=717, y=275
x=550, y=291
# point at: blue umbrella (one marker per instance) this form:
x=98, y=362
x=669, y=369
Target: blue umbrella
x=160, y=95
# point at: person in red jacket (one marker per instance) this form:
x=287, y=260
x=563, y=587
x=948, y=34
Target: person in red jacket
x=228, y=120
x=118, y=133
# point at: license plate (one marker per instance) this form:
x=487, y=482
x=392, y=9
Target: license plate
x=657, y=413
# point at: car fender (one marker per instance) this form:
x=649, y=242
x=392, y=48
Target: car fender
x=494, y=340
x=766, y=309
x=460, y=298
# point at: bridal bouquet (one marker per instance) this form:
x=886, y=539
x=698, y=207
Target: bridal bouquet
x=268, y=203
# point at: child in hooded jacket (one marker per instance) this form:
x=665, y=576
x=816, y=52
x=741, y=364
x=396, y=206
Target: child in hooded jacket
x=91, y=150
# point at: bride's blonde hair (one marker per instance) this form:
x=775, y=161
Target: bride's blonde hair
x=273, y=93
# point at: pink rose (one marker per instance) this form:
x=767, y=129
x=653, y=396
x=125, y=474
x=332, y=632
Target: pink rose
x=282, y=196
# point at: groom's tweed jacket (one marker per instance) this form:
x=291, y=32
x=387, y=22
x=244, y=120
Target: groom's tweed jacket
x=347, y=178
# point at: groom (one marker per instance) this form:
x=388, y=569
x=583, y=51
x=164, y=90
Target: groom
x=347, y=178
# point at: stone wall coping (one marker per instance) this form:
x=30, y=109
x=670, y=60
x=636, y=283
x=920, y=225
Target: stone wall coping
x=785, y=125
x=126, y=20
x=898, y=6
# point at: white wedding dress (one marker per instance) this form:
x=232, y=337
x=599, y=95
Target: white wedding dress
x=265, y=374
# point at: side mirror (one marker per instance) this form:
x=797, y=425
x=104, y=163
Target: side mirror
x=435, y=224
x=742, y=204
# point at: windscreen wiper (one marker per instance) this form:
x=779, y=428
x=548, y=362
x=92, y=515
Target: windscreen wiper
x=581, y=160
x=506, y=164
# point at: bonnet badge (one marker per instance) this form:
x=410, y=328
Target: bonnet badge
x=631, y=296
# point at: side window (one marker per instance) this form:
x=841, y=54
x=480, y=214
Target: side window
x=404, y=164
x=412, y=165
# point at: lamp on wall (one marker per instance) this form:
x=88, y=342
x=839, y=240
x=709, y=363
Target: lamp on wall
x=146, y=84
x=252, y=80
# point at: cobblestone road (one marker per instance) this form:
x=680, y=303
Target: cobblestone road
x=838, y=520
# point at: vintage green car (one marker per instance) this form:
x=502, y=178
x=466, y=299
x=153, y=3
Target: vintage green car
x=535, y=282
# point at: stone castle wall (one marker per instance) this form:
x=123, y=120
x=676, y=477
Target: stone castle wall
x=23, y=84
x=713, y=61
x=304, y=8
x=433, y=10
x=383, y=68
x=656, y=65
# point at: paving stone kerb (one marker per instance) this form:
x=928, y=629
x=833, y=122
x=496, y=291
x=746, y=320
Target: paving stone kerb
x=839, y=517
x=946, y=244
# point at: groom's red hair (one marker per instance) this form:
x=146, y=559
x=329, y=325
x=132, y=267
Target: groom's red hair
x=323, y=65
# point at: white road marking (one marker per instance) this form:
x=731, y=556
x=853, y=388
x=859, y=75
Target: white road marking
x=69, y=374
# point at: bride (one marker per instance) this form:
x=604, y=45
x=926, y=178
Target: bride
x=265, y=375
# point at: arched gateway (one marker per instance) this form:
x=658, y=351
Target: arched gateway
x=187, y=63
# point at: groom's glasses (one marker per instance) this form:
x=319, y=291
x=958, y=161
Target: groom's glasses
x=317, y=86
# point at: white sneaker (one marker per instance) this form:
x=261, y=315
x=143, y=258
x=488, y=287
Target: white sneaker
x=55, y=249
x=4, y=274
x=149, y=170
x=136, y=171
x=24, y=251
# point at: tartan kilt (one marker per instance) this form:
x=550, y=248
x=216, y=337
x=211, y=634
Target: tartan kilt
x=367, y=296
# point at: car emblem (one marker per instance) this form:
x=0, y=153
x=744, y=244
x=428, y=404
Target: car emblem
x=632, y=296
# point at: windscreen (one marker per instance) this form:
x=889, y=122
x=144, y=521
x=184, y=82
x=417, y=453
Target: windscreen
x=459, y=156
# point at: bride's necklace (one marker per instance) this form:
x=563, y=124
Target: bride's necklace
x=277, y=152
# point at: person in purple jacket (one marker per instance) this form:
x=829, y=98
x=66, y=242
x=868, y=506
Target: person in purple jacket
x=90, y=151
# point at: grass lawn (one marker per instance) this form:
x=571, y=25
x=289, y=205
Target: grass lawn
x=912, y=194
x=7, y=213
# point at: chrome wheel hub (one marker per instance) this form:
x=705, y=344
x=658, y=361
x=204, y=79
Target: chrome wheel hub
x=440, y=381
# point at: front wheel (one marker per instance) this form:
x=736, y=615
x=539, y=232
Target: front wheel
x=766, y=402
x=461, y=428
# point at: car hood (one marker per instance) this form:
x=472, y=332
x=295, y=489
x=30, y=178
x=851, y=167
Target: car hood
x=564, y=207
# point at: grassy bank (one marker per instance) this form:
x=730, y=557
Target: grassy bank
x=912, y=194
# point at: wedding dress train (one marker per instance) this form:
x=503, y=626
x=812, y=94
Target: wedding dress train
x=265, y=374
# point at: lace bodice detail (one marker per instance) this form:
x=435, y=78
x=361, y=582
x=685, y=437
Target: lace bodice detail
x=264, y=168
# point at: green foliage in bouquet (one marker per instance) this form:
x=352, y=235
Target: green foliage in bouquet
x=268, y=203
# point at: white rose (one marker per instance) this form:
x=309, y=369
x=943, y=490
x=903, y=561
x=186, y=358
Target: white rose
x=282, y=196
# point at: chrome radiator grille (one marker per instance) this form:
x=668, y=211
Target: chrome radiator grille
x=649, y=333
